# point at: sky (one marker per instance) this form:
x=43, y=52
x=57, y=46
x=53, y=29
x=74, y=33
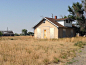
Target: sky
x=24, y=14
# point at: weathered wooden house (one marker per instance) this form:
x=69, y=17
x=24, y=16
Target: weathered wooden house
x=54, y=28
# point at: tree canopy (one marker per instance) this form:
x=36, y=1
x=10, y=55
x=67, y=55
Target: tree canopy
x=77, y=13
x=0, y=33
x=24, y=31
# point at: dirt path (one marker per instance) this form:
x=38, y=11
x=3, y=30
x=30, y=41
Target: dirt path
x=80, y=58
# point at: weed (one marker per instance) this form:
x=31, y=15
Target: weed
x=80, y=51
x=56, y=60
x=46, y=61
x=29, y=51
x=55, y=51
x=69, y=62
x=61, y=44
x=72, y=61
x=11, y=39
x=80, y=44
x=64, y=55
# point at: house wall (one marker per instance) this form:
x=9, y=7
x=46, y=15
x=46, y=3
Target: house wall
x=68, y=32
x=61, y=22
x=65, y=24
x=46, y=26
x=68, y=24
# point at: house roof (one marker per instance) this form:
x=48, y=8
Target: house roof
x=7, y=32
x=53, y=21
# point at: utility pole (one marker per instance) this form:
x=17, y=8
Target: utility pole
x=7, y=28
x=52, y=15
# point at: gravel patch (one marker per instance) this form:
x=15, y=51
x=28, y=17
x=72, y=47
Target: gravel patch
x=80, y=58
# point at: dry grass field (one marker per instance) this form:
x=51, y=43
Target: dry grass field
x=25, y=50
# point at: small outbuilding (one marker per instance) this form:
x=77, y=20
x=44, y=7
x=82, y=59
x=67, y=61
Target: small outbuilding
x=7, y=33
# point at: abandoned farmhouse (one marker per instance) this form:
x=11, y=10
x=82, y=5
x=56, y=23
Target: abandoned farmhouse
x=54, y=28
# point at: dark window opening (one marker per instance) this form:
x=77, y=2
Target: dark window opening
x=44, y=21
x=67, y=21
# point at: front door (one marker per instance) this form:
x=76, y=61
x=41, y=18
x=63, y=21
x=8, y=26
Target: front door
x=44, y=33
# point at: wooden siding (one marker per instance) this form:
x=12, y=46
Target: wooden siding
x=68, y=32
x=46, y=26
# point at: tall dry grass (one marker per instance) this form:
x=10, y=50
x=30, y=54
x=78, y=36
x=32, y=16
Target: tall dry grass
x=25, y=50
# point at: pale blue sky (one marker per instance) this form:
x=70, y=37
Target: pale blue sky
x=24, y=14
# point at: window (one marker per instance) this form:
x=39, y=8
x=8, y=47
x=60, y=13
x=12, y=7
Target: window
x=44, y=21
x=67, y=21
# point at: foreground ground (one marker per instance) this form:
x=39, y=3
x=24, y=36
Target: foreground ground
x=80, y=58
x=25, y=50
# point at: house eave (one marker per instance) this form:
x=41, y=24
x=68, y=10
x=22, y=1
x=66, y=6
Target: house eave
x=51, y=22
x=47, y=20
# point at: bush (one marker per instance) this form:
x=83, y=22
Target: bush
x=80, y=44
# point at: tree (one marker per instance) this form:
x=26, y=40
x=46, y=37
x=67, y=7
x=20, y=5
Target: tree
x=0, y=33
x=77, y=13
x=16, y=34
x=24, y=31
x=84, y=6
x=65, y=17
x=31, y=33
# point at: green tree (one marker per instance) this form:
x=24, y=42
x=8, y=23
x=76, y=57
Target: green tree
x=77, y=13
x=31, y=33
x=65, y=17
x=16, y=34
x=24, y=31
x=84, y=6
x=0, y=33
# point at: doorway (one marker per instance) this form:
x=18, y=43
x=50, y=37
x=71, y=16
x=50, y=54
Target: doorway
x=45, y=34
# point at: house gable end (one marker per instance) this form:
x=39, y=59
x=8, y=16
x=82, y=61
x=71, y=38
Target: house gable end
x=51, y=22
x=42, y=21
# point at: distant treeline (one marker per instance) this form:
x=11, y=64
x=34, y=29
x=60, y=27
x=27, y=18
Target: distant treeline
x=24, y=33
x=28, y=34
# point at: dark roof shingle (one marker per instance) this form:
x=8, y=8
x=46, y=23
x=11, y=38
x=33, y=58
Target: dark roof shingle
x=53, y=21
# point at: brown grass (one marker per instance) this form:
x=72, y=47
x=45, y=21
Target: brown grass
x=25, y=50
